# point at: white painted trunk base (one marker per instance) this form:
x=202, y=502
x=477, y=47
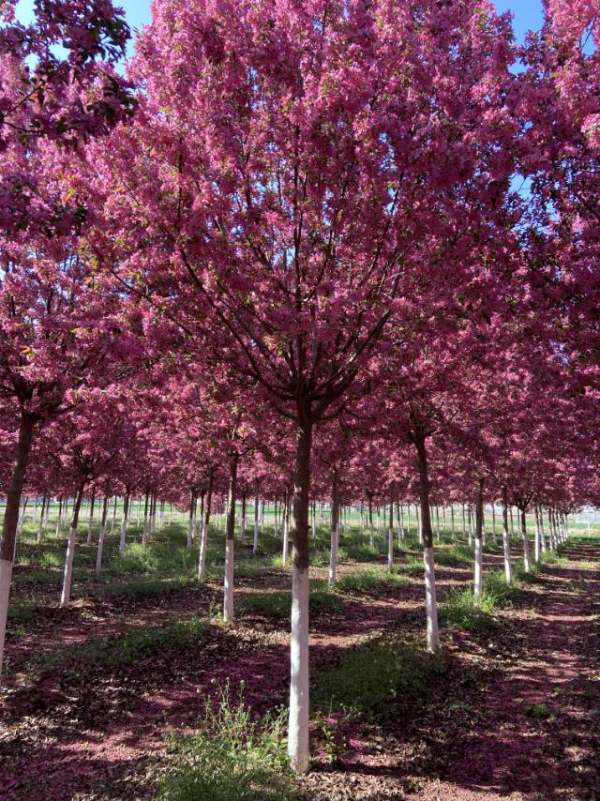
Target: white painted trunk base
x=478, y=578
x=100, y=550
x=507, y=559
x=298, y=748
x=228, y=583
x=255, y=540
x=123, y=536
x=390, y=555
x=333, y=556
x=202, y=552
x=433, y=636
x=6, y=568
x=526, y=564
x=286, y=540
x=68, y=574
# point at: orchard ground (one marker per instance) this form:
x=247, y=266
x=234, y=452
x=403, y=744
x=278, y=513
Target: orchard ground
x=137, y=690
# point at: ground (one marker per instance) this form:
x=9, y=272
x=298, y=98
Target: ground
x=510, y=710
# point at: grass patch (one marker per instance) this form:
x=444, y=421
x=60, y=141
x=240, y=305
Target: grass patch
x=461, y=609
x=277, y=605
x=120, y=651
x=142, y=587
x=376, y=680
x=458, y=556
x=539, y=711
x=373, y=580
x=230, y=758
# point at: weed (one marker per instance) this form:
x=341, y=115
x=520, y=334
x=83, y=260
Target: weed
x=230, y=758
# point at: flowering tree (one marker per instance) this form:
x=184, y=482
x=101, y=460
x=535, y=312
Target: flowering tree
x=299, y=156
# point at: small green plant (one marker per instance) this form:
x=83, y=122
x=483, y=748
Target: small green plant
x=373, y=580
x=231, y=757
x=539, y=711
x=333, y=743
x=376, y=680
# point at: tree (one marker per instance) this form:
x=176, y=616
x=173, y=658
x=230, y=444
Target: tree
x=299, y=158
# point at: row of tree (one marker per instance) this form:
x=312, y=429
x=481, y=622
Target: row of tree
x=337, y=248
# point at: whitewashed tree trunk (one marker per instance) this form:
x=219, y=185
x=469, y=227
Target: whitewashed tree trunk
x=506, y=538
x=228, y=588
x=124, y=523
x=537, y=537
x=298, y=731
x=526, y=564
x=335, y=530
x=431, y=607
x=478, y=576
x=70, y=555
x=256, y=525
x=190, y=528
x=286, y=531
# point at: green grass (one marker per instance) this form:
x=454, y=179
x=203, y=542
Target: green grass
x=461, y=609
x=142, y=587
x=374, y=580
x=276, y=605
x=231, y=757
x=376, y=680
x=539, y=711
x=119, y=651
x=457, y=556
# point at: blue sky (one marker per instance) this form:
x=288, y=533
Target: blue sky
x=527, y=13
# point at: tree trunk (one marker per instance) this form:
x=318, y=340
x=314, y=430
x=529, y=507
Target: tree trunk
x=102, y=535
x=72, y=541
x=91, y=519
x=11, y=519
x=526, y=565
x=478, y=578
x=256, y=525
x=298, y=745
x=506, y=537
x=230, y=542
x=124, y=525
x=145, y=529
x=191, y=520
x=40, y=534
x=390, y=557
x=204, y=533
x=433, y=638
x=335, y=530
x=286, y=528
